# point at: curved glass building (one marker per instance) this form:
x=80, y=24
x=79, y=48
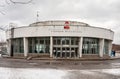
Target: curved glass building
x=60, y=39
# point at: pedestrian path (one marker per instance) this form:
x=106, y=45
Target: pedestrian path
x=117, y=55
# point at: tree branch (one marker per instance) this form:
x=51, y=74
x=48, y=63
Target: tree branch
x=15, y=2
x=7, y=2
x=2, y=13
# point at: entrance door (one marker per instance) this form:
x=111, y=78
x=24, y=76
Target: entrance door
x=57, y=52
x=66, y=52
x=65, y=47
x=74, y=52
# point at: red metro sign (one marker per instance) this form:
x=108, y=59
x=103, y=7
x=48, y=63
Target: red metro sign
x=66, y=25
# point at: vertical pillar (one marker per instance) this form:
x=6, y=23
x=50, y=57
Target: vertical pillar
x=25, y=46
x=51, y=46
x=101, y=48
x=110, y=47
x=80, y=46
x=9, y=47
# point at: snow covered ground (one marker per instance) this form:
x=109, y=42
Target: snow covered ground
x=37, y=73
x=30, y=73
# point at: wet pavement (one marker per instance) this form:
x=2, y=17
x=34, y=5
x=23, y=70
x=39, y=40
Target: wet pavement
x=47, y=69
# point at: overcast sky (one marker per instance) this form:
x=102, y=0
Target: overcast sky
x=99, y=13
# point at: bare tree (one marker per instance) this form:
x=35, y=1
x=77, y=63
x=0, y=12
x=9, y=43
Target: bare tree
x=8, y=2
x=18, y=2
x=4, y=27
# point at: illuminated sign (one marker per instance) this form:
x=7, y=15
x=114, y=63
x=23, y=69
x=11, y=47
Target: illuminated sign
x=66, y=25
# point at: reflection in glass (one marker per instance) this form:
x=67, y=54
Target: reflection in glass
x=90, y=46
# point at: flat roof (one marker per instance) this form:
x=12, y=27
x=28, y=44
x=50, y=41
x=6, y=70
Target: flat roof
x=58, y=23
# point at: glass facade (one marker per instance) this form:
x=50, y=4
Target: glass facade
x=90, y=46
x=62, y=46
x=106, y=47
x=39, y=45
x=18, y=46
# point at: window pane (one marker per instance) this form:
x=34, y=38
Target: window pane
x=106, y=47
x=90, y=46
x=67, y=42
x=41, y=41
x=58, y=41
x=39, y=45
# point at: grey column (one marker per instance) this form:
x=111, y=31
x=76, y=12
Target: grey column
x=101, y=48
x=25, y=40
x=110, y=47
x=51, y=46
x=80, y=46
x=9, y=47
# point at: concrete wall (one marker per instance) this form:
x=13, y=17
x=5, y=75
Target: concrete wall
x=77, y=31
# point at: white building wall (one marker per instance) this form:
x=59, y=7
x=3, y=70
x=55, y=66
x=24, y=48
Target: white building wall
x=60, y=31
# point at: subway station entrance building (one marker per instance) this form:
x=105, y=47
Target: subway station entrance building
x=59, y=39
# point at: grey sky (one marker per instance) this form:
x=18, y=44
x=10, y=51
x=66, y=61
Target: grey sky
x=99, y=13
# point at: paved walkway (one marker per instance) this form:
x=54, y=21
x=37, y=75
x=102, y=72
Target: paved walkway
x=117, y=55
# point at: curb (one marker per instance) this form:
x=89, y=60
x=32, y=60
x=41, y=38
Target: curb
x=61, y=59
